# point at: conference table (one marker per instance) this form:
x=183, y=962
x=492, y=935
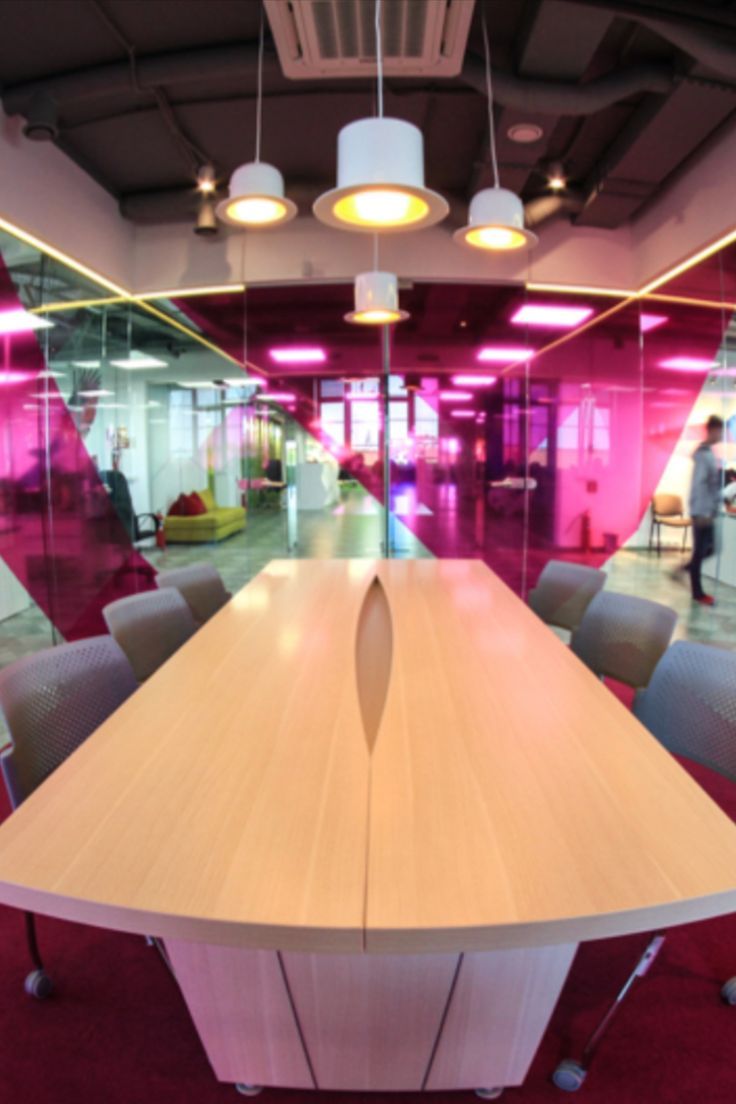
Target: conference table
x=371, y=809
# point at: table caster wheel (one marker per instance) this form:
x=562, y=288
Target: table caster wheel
x=38, y=984
x=569, y=1075
x=248, y=1090
x=728, y=992
x=489, y=1094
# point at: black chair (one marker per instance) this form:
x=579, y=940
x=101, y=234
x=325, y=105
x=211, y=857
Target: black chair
x=117, y=485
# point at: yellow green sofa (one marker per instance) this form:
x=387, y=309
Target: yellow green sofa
x=219, y=522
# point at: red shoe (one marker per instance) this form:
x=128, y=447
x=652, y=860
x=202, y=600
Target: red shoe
x=706, y=600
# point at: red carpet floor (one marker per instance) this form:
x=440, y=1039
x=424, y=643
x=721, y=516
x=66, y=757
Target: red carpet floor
x=117, y=1032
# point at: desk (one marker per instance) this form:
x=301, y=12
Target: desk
x=372, y=807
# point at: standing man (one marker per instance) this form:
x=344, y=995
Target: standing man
x=705, y=499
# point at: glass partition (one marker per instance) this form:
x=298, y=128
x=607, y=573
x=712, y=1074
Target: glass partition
x=498, y=422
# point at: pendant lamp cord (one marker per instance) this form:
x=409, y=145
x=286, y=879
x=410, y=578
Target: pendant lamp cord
x=375, y=252
x=489, y=95
x=259, y=97
x=379, y=59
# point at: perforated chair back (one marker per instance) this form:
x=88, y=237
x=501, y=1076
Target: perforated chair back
x=150, y=627
x=52, y=701
x=690, y=704
x=201, y=586
x=624, y=637
x=667, y=505
x=564, y=592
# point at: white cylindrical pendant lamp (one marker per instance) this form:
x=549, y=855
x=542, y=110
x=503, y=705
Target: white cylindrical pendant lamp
x=256, y=198
x=495, y=222
x=380, y=180
x=376, y=300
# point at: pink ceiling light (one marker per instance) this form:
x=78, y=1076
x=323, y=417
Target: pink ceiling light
x=550, y=316
x=298, y=354
x=503, y=354
x=474, y=381
x=649, y=322
x=462, y=413
x=455, y=396
x=688, y=364
x=8, y=377
x=278, y=396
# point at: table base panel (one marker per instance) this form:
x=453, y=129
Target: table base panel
x=398, y=1023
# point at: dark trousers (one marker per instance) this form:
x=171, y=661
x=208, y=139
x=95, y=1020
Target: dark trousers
x=703, y=547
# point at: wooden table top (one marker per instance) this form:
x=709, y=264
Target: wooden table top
x=372, y=755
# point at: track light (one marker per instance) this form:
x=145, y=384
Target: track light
x=42, y=120
x=206, y=219
x=206, y=183
x=556, y=179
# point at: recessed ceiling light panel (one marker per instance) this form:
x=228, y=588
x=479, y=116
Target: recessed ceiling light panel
x=525, y=133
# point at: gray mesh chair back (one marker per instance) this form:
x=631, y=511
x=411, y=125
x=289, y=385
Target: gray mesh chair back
x=564, y=591
x=150, y=627
x=201, y=585
x=690, y=704
x=623, y=637
x=52, y=701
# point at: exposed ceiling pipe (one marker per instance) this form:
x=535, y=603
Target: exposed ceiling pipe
x=547, y=97
x=158, y=70
x=210, y=63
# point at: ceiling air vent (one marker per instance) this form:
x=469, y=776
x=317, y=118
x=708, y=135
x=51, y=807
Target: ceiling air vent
x=336, y=38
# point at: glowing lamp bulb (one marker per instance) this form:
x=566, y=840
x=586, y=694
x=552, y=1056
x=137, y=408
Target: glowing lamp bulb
x=380, y=207
x=256, y=211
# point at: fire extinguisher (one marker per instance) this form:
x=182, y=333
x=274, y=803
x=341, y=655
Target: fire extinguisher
x=160, y=534
x=585, y=531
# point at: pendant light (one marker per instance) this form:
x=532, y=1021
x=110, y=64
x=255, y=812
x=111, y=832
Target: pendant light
x=376, y=297
x=380, y=172
x=256, y=194
x=496, y=215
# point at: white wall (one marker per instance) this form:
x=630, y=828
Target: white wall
x=171, y=256
x=45, y=194
x=697, y=209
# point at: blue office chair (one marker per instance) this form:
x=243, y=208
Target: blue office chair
x=690, y=706
x=52, y=701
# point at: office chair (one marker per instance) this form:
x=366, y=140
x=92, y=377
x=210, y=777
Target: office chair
x=690, y=707
x=564, y=591
x=52, y=701
x=623, y=637
x=150, y=627
x=667, y=509
x=117, y=484
x=201, y=586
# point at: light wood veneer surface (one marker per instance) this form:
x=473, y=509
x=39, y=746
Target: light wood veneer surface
x=506, y=799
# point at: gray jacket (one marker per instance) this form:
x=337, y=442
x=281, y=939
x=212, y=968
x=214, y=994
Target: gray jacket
x=705, y=490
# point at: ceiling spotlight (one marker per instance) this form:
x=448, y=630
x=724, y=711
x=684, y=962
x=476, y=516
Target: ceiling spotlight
x=556, y=179
x=42, y=120
x=495, y=215
x=376, y=300
x=380, y=172
x=256, y=193
x=525, y=133
x=206, y=183
x=206, y=224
